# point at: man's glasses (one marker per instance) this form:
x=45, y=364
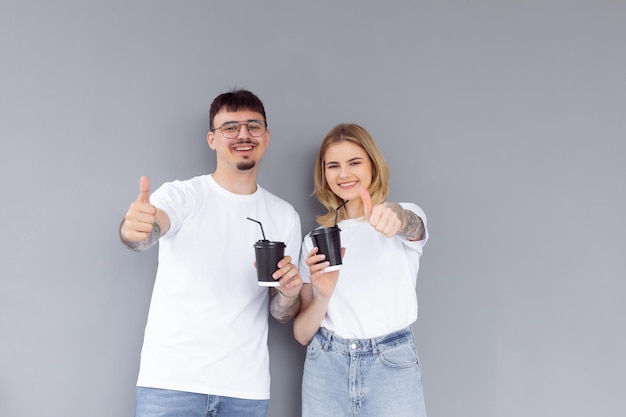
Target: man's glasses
x=230, y=130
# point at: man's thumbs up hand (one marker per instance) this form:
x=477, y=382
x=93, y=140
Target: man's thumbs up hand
x=141, y=215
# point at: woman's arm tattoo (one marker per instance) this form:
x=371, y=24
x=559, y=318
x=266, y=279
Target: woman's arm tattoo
x=412, y=225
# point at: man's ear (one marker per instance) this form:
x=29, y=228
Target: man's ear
x=210, y=139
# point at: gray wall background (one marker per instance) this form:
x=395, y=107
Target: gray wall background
x=504, y=120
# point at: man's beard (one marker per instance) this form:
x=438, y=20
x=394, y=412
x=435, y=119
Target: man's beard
x=246, y=165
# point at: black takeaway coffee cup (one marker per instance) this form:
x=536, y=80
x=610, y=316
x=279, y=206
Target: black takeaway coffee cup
x=268, y=254
x=328, y=242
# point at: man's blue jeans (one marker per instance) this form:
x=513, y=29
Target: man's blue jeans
x=153, y=402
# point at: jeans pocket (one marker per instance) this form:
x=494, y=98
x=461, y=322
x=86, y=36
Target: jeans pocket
x=314, y=350
x=400, y=356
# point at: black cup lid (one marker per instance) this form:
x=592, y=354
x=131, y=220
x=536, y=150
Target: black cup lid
x=323, y=230
x=268, y=244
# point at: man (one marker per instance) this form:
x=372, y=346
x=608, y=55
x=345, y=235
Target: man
x=205, y=344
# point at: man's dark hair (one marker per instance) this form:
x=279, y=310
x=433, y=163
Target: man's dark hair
x=236, y=100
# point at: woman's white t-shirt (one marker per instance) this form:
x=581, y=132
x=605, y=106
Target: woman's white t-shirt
x=375, y=293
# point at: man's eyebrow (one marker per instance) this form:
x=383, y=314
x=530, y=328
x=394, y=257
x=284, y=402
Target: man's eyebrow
x=243, y=121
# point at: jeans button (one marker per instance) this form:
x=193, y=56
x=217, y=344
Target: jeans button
x=353, y=346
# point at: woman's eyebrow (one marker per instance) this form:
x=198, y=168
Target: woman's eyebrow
x=356, y=158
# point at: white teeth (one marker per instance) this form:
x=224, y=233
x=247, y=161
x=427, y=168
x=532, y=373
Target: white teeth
x=347, y=184
x=243, y=148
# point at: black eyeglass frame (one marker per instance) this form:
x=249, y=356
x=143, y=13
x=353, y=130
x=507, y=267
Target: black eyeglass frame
x=239, y=124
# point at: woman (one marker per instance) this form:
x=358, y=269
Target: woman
x=361, y=357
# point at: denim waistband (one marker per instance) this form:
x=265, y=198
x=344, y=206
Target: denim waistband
x=363, y=346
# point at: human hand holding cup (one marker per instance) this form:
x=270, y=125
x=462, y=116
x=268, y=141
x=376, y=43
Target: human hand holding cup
x=323, y=282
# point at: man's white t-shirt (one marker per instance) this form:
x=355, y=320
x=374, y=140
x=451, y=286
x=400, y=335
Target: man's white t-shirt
x=375, y=293
x=208, y=321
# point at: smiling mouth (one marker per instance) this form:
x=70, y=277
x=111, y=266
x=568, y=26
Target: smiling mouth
x=348, y=184
x=243, y=147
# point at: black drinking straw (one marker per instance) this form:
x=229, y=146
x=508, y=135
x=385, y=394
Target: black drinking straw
x=256, y=221
x=337, y=210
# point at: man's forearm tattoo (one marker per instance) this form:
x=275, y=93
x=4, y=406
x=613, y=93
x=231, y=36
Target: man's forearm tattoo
x=142, y=245
x=412, y=225
x=283, y=314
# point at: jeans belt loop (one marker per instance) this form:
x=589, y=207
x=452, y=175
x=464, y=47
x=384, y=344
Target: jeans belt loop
x=374, y=347
x=327, y=336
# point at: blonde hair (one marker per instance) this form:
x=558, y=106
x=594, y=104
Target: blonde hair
x=379, y=186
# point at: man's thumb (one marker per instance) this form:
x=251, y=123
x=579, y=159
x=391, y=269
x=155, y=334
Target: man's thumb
x=144, y=190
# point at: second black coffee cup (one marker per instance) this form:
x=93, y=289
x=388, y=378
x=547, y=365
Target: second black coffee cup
x=328, y=241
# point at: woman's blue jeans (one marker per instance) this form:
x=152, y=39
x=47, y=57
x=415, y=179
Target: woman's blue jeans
x=378, y=377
